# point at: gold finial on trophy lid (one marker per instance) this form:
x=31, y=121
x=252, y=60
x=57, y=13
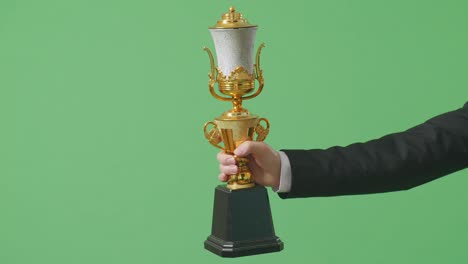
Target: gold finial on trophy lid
x=232, y=19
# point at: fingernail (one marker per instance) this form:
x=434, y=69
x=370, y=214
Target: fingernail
x=231, y=160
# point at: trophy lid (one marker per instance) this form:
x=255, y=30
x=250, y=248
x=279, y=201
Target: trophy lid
x=232, y=19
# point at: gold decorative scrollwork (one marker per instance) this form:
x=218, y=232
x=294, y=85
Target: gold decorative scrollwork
x=239, y=73
x=213, y=77
x=262, y=132
x=213, y=135
x=258, y=74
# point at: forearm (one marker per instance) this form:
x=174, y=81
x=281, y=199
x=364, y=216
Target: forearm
x=394, y=162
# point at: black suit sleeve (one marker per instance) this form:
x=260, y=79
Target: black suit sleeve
x=398, y=161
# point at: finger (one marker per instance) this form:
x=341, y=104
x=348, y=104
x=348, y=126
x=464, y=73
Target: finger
x=226, y=159
x=223, y=177
x=249, y=147
x=229, y=169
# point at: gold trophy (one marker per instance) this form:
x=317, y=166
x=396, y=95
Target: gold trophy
x=242, y=222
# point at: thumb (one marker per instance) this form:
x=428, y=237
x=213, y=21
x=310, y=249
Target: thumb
x=248, y=148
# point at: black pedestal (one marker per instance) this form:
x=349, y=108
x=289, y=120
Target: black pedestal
x=242, y=223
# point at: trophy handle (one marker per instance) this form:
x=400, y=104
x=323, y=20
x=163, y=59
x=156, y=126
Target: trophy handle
x=213, y=135
x=258, y=74
x=262, y=132
x=213, y=77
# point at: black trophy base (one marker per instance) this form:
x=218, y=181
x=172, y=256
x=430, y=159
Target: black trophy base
x=242, y=223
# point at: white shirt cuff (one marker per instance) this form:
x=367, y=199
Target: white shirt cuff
x=285, y=177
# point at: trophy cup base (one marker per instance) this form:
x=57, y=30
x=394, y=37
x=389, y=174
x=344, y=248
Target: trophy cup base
x=242, y=223
x=235, y=186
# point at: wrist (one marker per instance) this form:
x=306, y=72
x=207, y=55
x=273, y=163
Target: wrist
x=284, y=177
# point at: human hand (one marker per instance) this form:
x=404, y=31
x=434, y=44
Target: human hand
x=264, y=163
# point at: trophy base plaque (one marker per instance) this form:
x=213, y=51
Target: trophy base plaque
x=242, y=223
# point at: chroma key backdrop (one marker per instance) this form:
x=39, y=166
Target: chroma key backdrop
x=102, y=104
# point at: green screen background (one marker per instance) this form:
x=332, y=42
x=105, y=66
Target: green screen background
x=102, y=104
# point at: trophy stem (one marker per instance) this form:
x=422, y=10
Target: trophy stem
x=243, y=179
x=237, y=104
